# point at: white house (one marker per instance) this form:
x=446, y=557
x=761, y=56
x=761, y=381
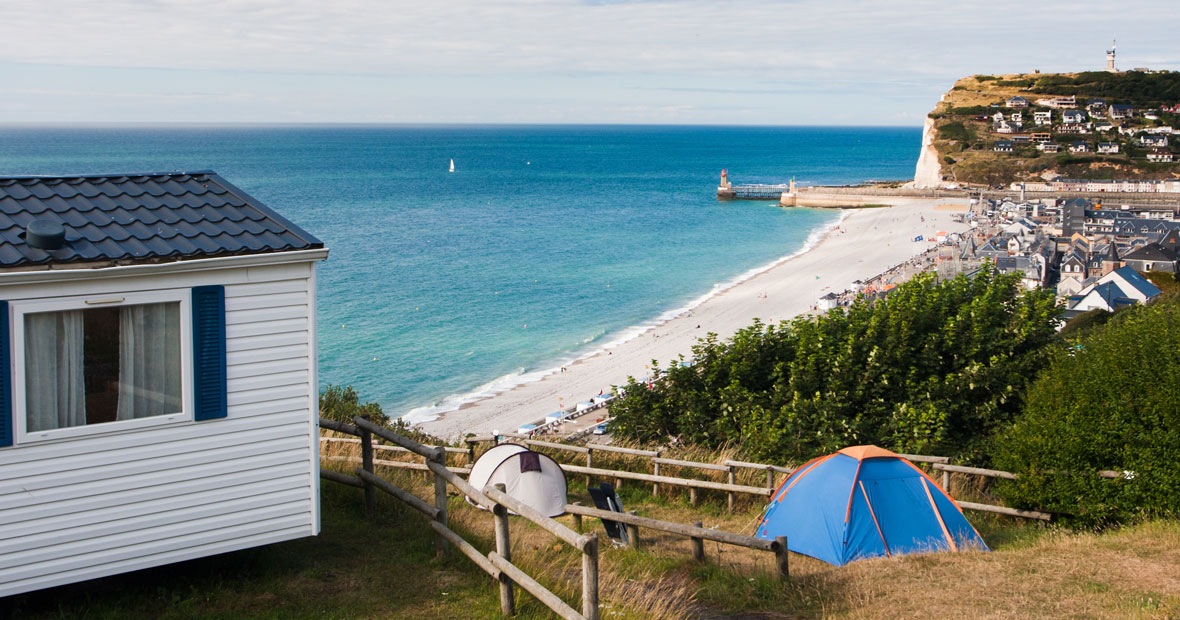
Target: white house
x=1042, y=118
x=1159, y=155
x=1119, y=288
x=159, y=401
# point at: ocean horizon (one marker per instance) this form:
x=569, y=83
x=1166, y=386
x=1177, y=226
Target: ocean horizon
x=547, y=243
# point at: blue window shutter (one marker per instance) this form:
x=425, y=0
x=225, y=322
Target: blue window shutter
x=6, y=423
x=209, y=353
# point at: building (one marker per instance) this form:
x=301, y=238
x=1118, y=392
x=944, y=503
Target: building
x=1042, y=118
x=1120, y=110
x=1153, y=140
x=1108, y=147
x=1003, y=146
x=159, y=398
x=1016, y=102
x=1159, y=155
x=1079, y=147
x=1151, y=257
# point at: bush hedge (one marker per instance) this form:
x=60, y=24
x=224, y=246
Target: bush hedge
x=1111, y=401
x=935, y=367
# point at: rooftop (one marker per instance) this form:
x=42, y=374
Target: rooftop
x=139, y=218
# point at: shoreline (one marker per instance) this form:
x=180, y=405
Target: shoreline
x=858, y=245
x=429, y=413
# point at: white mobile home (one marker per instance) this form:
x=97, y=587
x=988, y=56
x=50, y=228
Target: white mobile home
x=159, y=398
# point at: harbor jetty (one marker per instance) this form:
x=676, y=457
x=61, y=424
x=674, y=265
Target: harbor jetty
x=751, y=191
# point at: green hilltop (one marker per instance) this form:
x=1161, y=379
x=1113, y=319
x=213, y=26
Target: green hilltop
x=993, y=130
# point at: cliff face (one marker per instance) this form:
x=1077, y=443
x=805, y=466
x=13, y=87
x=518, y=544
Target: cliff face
x=928, y=172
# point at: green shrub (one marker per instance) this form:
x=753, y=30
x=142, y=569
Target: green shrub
x=934, y=367
x=1109, y=402
x=341, y=403
x=1083, y=323
x=952, y=131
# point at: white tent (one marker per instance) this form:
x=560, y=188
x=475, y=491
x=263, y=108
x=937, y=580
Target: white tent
x=528, y=476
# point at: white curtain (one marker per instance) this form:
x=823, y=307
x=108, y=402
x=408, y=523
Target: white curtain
x=149, y=360
x=55, y=391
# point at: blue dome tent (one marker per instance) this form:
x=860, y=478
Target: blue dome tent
x=864, y=502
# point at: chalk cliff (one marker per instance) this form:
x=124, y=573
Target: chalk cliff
x=928, y=172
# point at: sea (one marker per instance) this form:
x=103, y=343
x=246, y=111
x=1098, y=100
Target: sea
x=546, y=243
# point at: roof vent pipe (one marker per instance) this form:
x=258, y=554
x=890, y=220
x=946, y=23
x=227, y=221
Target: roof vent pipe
x=45, y=235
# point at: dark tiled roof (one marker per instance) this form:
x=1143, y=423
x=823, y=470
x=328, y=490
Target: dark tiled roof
x=140, y=218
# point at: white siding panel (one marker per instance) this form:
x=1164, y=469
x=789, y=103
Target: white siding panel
x=263, y=315
x=25, y=475
x=298, y=403
x=253, y=302
x=168, y=556
x=265, y=341
x=102, y=504
x=241, y=371
x=36, y=539
x=220, y=448
x=271, y=380
x=260, y=396
x=266, y=288
x=292, y=411
x=181, y=535
x=270, y=354
x=116, y=492
x=264, y=328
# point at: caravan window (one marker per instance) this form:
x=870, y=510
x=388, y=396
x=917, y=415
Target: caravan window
x=95, y=364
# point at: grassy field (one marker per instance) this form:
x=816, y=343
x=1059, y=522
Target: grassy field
x=385, y=568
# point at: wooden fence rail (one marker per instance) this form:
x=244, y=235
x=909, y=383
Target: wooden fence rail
x=698, y=534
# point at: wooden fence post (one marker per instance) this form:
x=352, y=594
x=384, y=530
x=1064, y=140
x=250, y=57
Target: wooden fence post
x=946, y=481
x=780, y=557
x=577, y=520
x=440, y=500
x=589, y=463
x=769, y=478
x=633, y=532
x=470, y=452
x=504, y=550
x=698, y=545
x=590, y=578
x=367, y=465
x=692, y=496
x=729, y=494
x=655, y=486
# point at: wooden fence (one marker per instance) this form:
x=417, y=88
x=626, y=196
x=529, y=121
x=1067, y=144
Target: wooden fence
x=655, y=460
x=498, y=564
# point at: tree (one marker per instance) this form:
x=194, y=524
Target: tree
x=1107, y=402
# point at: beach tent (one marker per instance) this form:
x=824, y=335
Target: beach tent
x=864, y=502
x=528, y=476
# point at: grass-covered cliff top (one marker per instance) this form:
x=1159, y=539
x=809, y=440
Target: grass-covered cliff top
x=967, y=129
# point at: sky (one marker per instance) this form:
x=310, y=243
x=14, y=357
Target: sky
x=739, y=62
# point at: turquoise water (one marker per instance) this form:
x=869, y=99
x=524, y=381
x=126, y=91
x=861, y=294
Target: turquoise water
x=545, y=243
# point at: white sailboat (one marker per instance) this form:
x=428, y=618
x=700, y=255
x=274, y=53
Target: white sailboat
x=452, y=166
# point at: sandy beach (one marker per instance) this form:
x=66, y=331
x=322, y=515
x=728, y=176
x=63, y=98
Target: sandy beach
x=866, y=243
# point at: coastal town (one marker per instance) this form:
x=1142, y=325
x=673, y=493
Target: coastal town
x=1090, y=256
